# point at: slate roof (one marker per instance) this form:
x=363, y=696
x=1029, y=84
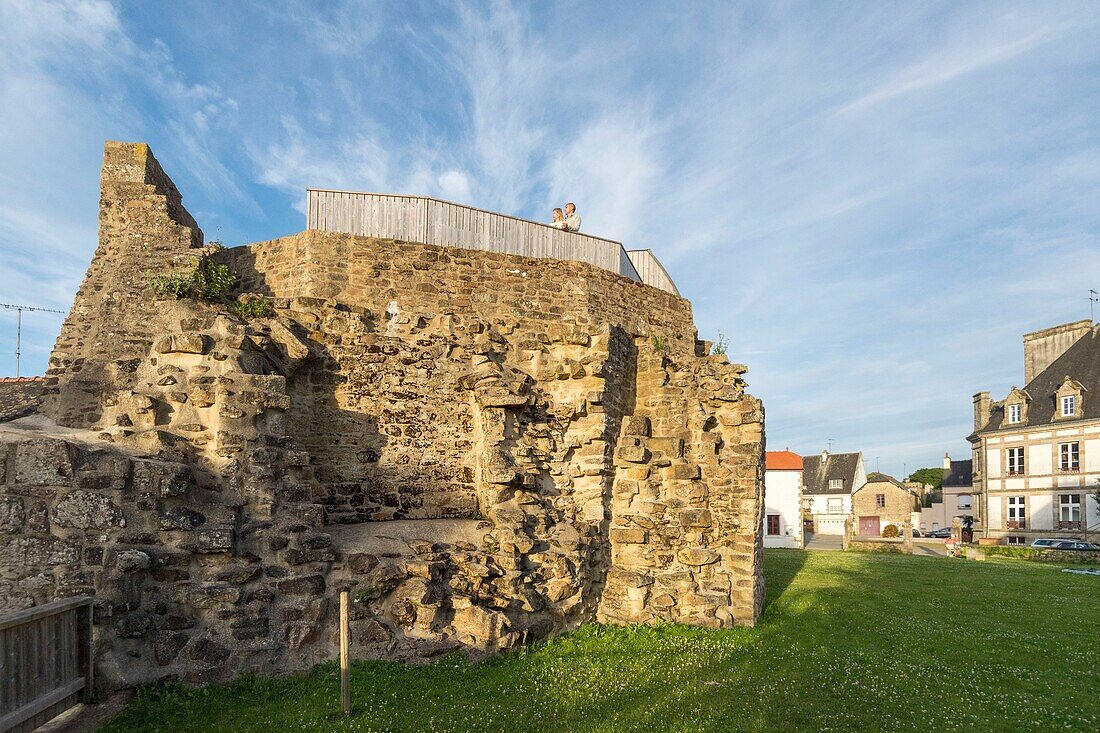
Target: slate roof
x=1081, y=362
x=960, y=474
x=876, y=477
x=19, y=396
x=782, y=460
x=816, y=476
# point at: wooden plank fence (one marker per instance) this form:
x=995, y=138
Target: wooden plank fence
x=651, y=271
x=431, y=221
x=45, y=662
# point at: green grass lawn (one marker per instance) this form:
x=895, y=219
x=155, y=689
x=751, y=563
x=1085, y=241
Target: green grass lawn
x=847, y=642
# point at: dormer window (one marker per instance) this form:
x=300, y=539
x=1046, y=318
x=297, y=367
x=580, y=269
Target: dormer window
x=1069, y=400
x=1015, y=407
x=836, y=484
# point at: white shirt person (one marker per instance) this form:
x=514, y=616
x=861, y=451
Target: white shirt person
x=572, y=218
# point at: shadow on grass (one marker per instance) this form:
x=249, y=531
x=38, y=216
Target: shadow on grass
x=782, y=568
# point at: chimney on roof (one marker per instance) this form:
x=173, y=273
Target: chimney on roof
x=1041, y=348
x=946, y=461
x=981, y=410
x=824, y=456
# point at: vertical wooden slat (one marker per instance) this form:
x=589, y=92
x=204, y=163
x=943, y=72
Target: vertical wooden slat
x=85, y=659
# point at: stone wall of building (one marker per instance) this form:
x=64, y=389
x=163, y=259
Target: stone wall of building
x=485, y=449
x=898, y=504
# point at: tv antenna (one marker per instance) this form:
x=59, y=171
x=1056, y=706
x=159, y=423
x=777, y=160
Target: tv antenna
x=1094, y=298
x=19, y=325
x=830, y=441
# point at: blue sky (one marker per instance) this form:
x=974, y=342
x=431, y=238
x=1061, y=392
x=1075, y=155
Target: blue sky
x=872, y=201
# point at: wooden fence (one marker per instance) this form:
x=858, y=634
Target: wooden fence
x=431, y=221
x=651, y=271
x=45, y=662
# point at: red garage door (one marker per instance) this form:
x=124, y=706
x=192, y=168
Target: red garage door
x=868, y=526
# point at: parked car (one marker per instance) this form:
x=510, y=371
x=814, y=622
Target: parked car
x=940, y=534
x=1075, y=545
x=1049, y=541
x=917, y=532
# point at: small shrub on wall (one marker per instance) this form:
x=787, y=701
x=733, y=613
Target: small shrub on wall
x=207, y=280
x=248, y=308
x=891, y=530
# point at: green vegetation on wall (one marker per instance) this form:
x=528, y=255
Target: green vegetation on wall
x=720, y=345
x=206, y=280
x=248, y=308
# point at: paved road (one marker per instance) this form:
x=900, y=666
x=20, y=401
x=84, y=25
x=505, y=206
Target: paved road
x=816, y=541
x=929, y=547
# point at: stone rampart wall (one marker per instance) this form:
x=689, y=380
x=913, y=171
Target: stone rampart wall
x=143, y=230
x=486, y=449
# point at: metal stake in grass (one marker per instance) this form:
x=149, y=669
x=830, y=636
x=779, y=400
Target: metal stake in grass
x=345, y=681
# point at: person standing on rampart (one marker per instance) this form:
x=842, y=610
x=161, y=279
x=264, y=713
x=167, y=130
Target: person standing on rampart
x=572, y=218
x=559, y=219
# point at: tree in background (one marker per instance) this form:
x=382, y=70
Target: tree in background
x=931, y=476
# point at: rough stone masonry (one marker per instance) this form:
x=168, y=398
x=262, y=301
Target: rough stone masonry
x=486, y=449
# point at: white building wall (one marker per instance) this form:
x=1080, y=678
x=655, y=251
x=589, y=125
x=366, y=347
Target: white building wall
x=1038, y=459
x=859, y=479
x=995, y=517
x=993, y=463
x=1091, y=457
x=783, y=496
x=827, y=521
x=819, y=503
x=1040, y=507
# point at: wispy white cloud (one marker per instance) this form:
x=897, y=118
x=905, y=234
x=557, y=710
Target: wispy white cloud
x=996, y=43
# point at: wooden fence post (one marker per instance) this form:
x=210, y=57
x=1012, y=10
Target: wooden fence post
x=85, y=640
x=345, y=681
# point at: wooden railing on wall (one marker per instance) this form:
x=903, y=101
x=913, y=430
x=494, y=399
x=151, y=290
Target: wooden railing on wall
x=431, y=221
x=651, y=271
x=45, y=662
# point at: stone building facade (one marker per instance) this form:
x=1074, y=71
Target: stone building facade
x=1036, y=453
x=882, y=501
x=485, y=449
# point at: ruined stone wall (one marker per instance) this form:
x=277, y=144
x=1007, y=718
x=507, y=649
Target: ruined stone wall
x=485, y=448
x=143, y=228
x=379, y=412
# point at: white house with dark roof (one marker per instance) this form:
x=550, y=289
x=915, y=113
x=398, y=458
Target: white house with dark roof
x=1037, y=451
x=828, y=481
